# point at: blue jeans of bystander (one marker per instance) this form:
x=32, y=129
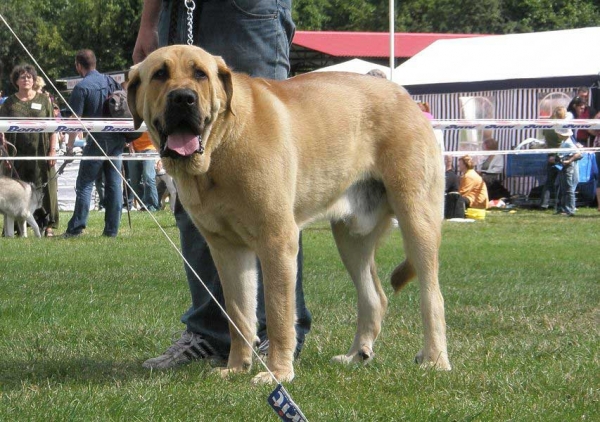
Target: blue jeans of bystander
x=143, y=180
x=567, y=182
x=88, y=172
x=252, y=37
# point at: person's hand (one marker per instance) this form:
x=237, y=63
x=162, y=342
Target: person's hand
x=52, y=153
x=146, y=43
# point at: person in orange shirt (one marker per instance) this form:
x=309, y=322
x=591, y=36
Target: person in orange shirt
x=143, y=173
x=472, y=187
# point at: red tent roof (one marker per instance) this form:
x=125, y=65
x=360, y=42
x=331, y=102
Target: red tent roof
x=368, y=44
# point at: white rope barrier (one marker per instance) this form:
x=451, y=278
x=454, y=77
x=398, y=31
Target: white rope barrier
x=482, y=124
x=71, y=125
x=126, y=125
x=124, y=157
x=155, y=156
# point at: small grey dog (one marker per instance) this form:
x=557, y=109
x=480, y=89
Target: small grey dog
x=18, y=202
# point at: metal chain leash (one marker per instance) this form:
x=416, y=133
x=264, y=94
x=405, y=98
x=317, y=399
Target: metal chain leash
x=190, y=6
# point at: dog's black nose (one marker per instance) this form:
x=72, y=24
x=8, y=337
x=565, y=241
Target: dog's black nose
x=182, y=98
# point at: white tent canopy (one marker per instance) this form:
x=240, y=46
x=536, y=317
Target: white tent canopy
x=555, y=58
x=355, y=66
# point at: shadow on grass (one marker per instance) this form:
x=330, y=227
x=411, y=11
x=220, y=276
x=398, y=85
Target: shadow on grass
x=15, y=373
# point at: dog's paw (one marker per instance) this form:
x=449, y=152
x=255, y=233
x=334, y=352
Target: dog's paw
x=266, y=378
x=344, y=359
x=227, y=372
x=364, y=356
x=224, y=372
x=439, y=362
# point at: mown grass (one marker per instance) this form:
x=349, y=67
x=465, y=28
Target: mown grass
x=79, y=316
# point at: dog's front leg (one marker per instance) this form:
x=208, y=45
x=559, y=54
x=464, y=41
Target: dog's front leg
x=9, y=226
x=279, y=267
x=238, y=272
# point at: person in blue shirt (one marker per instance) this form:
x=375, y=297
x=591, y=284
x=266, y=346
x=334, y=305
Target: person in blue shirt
x=87, y=100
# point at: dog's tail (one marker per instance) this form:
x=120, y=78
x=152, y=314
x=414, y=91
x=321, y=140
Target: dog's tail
x=402, y=274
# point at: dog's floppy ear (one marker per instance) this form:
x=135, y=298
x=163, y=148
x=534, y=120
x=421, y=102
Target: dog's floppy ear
x=132, y=88
x=226, y=79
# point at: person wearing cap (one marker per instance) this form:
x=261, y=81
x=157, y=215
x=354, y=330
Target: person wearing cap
x=568, y=176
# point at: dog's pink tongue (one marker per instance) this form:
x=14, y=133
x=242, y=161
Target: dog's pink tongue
x=183, y=143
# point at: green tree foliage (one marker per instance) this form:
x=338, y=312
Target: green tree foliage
x=447, y=16
x=54, y=30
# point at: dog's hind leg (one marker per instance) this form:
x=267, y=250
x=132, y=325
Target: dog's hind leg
x=358, y=255
x=420, y=224
x=34, y=226
x=22, y=225
x=238, y=273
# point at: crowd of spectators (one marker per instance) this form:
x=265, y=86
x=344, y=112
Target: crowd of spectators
x=33, y=100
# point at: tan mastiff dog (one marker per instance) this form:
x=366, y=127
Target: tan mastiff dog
x=256, y=160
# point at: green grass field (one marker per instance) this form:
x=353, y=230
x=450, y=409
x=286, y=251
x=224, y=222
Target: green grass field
x=79, y=316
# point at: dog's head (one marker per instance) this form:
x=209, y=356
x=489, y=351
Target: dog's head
x=180, y=92
x=42, y=218
x=117, y=105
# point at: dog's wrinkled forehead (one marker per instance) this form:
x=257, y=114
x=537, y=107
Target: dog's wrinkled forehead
x=178, y=65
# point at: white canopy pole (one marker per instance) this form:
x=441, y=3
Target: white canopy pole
x=392, y=49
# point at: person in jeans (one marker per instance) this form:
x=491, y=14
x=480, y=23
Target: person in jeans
x=568, y=177
x=553, y=140
x=252, y=37
x=143, y=173
x=87, y=100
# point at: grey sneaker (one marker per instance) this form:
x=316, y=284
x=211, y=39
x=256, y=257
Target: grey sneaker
x=263, y=349
x=188, y=348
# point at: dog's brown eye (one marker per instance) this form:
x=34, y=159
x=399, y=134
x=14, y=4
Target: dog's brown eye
x=198, y=74
x=160, y=74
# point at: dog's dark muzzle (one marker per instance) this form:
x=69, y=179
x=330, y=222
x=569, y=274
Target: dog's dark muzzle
x=182, y=99
x=182, y=121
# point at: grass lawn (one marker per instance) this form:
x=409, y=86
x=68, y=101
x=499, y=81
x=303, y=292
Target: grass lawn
x=79, y=316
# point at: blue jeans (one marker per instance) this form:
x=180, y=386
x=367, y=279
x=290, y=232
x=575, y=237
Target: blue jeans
x=88, y=172
x=143, y=181
x=550, y=185
x=252, y=37
x=567, y=183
